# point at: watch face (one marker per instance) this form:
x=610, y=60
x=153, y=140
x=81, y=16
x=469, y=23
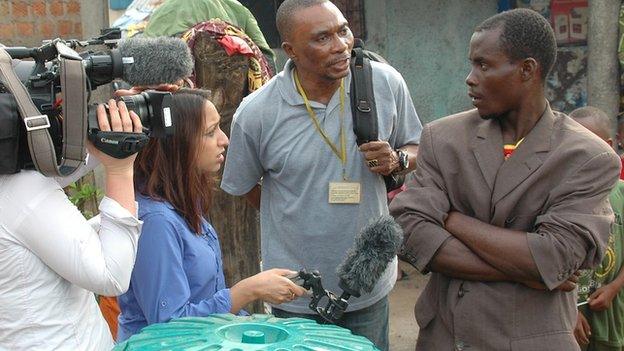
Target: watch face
x=403, y=159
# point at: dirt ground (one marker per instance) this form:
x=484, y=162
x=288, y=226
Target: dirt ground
x=403, y=327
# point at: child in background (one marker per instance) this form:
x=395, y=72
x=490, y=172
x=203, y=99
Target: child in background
x=600, y=321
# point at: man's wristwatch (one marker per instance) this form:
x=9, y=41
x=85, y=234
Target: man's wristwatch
x=403, y=160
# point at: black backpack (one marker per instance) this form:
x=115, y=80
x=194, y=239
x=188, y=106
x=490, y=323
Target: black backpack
x=363, y=108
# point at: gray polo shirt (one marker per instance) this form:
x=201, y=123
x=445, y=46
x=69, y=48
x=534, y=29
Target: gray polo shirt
x=274, y=139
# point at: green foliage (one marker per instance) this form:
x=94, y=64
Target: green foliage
x=82, y=194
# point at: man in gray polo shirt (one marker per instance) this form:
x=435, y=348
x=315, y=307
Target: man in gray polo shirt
x=318, y=189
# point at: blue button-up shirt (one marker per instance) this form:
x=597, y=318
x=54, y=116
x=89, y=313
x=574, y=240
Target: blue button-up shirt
x=177, y=272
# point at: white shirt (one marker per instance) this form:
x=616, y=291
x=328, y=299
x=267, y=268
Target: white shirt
x=51, y=262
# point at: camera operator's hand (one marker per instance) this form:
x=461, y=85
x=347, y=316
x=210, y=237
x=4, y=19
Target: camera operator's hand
x=136, y=90
x=119, y=172
x=121, y=120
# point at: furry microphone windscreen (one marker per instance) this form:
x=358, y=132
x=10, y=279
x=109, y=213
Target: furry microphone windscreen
x=374, y=247
x=157, y=61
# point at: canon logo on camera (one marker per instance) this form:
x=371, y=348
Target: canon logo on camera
x=109, y=141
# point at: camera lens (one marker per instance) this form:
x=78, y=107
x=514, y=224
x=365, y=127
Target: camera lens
x=140, y=104
x=155, y=111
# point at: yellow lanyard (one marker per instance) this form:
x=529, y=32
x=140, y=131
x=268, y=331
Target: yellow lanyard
x=342, y=154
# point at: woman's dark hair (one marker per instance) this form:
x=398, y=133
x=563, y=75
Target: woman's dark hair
x=167, y=168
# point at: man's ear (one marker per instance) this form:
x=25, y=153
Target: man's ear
x=529, y=69
x=288, y=49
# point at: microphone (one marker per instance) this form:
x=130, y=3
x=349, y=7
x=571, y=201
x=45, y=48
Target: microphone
x=373, y=249
x=154, y=61
x=138, y=61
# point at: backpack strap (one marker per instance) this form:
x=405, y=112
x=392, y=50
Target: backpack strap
x=363, y=106
x=40, y=145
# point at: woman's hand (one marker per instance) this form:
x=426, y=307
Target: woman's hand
x=120, y=121
x=119, y=173
x=274, y=287
x=139, y=89
x=271, y=286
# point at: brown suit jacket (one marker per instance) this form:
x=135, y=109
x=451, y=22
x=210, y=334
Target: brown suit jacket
x=555, y=186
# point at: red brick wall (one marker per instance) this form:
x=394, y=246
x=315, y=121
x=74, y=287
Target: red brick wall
x=354, y=13
x=28, y=22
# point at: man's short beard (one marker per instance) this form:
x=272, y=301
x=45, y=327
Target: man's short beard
x=338, y=77
x=496, y=116
x=331, y=79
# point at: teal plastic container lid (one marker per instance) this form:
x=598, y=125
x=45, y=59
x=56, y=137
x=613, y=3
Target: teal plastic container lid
x=227, y=332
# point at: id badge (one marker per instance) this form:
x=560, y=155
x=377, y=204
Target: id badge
x=344, y=192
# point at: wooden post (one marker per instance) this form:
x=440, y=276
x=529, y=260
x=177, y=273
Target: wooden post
x=235, y=221
x=602, y=63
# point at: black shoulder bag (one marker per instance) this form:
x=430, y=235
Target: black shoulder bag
x=363, y=108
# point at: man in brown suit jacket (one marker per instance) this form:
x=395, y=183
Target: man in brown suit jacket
x=503, y=232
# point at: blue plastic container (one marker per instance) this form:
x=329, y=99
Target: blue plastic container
x=227, y=332
x=119, y=4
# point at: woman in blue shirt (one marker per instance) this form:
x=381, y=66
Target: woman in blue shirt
x=178, y=270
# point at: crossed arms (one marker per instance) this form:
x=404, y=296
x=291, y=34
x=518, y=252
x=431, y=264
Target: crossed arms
x=570, y=234
x=483, y=252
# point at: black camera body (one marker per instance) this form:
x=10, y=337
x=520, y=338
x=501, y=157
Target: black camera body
x=154, y=109
x=13, y=149
x=41, y=77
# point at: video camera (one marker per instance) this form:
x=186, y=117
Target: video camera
x=44, y=110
